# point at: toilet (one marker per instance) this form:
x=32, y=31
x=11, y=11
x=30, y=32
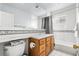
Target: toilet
x=15, y=48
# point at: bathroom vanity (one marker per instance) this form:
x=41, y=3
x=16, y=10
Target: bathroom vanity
x=41, y=44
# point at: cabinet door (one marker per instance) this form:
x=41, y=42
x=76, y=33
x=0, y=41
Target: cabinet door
x=42, y=41
x=6, y=20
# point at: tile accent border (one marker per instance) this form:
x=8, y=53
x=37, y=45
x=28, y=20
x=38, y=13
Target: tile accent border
x=64, y=31
x=7, y=32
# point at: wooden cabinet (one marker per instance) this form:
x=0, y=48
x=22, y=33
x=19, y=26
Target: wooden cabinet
x=49, y=44
x=43, y=46
x=42, y=41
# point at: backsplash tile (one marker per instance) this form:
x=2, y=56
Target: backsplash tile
x=7, y=32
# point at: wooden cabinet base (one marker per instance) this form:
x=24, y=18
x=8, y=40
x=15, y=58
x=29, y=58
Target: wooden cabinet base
x=42, y=46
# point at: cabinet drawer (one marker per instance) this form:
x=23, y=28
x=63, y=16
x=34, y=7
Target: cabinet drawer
x=42, y=41
x=42, y=54
x=48, y=45
x=48, y=39
x=48, y=42
x=42, y=48
x=47, y=50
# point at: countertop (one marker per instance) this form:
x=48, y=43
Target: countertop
x=6, y=38
x=40, y=36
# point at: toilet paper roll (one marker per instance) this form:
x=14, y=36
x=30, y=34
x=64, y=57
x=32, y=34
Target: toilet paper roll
x=32, y=45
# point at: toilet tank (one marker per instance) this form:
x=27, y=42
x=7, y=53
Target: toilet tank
x=16, y=50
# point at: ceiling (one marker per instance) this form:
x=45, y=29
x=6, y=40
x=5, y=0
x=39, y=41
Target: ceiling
x=43, y=7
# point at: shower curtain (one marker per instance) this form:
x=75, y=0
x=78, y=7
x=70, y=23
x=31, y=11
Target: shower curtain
x=47, y=24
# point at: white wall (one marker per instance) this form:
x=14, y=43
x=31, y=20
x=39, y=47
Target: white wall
x=65, y=38
x=22, y=18
x=68, y=24
x=34, y=22
x=78, y=20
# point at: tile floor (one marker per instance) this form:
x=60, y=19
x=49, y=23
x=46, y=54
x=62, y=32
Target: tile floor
x=58, y=53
